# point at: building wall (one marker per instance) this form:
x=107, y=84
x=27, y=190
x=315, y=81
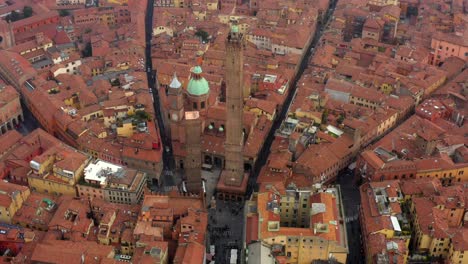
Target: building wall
x=162, y=29
x=305, y=249
x=443, y=49
x=42, y=185
x=70, y=2
x=370, y=33
x=90, y=191
x=152, y=169
x=386, y=124
x=107, y=18
x=69, y=68
x=439, y=247
x=7, y=212
x=261, y=42
x=115, y=195
x=456, y=256
x=295, y=212
x=383, y=2
x=363, y=102
x=52, y=19
x=125, y=196
x=446, y=175
x=126, y=130
x=436, y=84
x=11, y=112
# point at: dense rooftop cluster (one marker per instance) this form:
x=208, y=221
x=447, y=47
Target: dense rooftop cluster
x=372, y=68
x=381, y=96
x=84, y=80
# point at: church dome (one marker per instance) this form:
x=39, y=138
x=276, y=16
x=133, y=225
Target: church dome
x=197, y=85
x=197, y=70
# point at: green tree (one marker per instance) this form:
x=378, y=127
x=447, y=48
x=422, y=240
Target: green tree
x=13, y=16
x=202, y=34
x=27, y=11
x=115, y=82
x=340, y=119
x=142, y=115
x=64, y=13
x=324, y=116
x=88, y=50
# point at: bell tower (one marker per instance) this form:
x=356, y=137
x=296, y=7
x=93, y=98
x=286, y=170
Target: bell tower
x=192, y=162
x=176, y=107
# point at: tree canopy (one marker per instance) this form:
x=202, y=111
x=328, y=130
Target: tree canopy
x=202, y=34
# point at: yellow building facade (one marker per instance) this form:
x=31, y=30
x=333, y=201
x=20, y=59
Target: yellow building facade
x=52, y=186
x=449, y=175
x=458, y=254
x=58, y=173
x=12, y=197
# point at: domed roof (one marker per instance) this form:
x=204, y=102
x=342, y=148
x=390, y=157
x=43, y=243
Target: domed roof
x=198, y=86
x=197, y=70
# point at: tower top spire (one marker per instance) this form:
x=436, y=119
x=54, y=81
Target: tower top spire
x=234, y=35
x=175, y=82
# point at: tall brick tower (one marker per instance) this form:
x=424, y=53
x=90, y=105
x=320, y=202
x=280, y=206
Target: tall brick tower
x=233, y=179
x=192, y=163
x=176, y=107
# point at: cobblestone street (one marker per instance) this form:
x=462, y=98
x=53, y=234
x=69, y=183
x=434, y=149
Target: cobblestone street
x=225, y=228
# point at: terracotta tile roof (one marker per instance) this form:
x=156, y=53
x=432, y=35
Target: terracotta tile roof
x=251, y=229
x=71, y=215
x=264, y=105
x=372, y=219
x=34, y=19
x=460, y=240
x=329, y=217
x=424, y=186
x=7, y=95
x=194, y=253
x=73, y=252
x=377, y=244
x=8, y=140
x=35, y=212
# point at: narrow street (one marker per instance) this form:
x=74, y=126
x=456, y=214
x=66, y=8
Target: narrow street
x=29, y=123
x=351, y=203
x=263, y=155
x=167, y=178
